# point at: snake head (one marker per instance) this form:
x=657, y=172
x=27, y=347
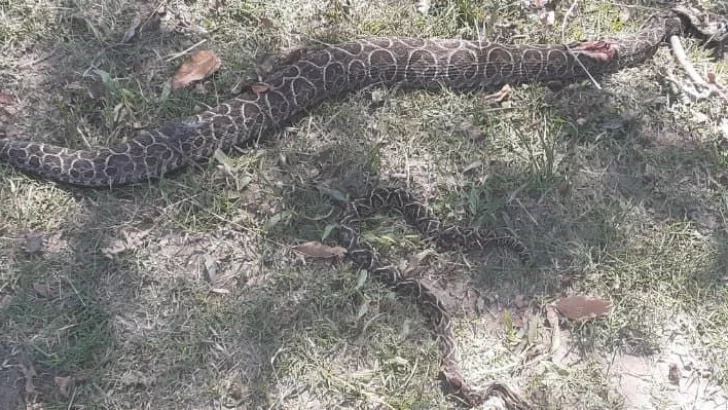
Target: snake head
x=711, y=28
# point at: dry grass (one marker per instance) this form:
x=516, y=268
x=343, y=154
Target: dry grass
x=120, y=296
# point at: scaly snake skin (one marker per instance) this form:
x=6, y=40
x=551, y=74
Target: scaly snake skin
x=420, y=216
x=338, y=69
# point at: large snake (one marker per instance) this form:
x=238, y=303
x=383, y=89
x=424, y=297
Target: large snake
x=319, y=75
x=419, y=215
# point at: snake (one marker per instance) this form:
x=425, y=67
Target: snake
x=364, y=256
x=291, y=89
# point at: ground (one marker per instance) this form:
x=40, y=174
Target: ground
x=184, y=293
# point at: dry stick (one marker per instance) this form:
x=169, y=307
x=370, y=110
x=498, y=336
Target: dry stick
x=682, y=59
x=180, y=54
x=566, y=16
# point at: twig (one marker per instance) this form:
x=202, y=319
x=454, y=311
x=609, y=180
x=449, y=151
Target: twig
x=566, y=16
x=182, y=53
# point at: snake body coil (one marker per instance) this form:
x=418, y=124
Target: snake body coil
x=420, y=216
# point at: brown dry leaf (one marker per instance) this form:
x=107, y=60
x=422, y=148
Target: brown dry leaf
x=423, y=6
x=238, y=391
x=265, y=63
x=293, y=55
x=131, y=32
x=473, y=132
x=473, y=165
x=583, y=307
x=553, y=320
x=42, y=290
x=548, y=18
x=624, y=14
x=199, y=66
x=317, y=249
x=565, y=187
x=6, y=98
x=674, y=374
x=242, y=86
x=266, y=23
x=28, y=374
x=64, y=385
x=5, y=301
x=33, y=243
x=413, y=262
x=259, y=88
x=520, y=301
x=498, y=96
x=132, y=239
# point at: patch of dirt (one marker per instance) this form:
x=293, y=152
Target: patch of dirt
x=677, y=376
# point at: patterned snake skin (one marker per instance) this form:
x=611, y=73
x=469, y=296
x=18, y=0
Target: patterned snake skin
x=332, y=71
x=419, y=215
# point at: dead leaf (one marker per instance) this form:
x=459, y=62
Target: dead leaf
x=520, y=301
x=131, y=32
x=259, y=88
x=548, y=18
x=473, y=132
x=238, y=391
x=565, y=187
x=553, y=320
x=42, y=290
x=266, y=23
x=472, y=166
x=33, y=243
x=624, y=14
x=119, y=112
x=5, y=301
x=317, y=249
x=200, y=89
x=28, y=374
x=583, y=308
x=266, y=62
x=152, y=23
x=64, y=384
x=723, y=127
x=199, y=66
x=674, y=374
x=498, y=96
x=6, y=98
x=699, y=117
x=414, y=261
x=423, y=6
x=96, y=90
x=220, y=291
x=293, y=55
x=241, y=86
x=131, y=239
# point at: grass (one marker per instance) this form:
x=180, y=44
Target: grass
x=184, y=293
